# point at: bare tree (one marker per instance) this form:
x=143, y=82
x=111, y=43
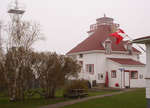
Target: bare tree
x=17, y=70
x=17, y=65
x=22, y=34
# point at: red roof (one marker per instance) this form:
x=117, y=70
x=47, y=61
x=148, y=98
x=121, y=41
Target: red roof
x=126, y=61
x=94, y=42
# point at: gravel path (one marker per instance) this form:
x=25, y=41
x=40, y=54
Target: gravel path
x=61, y=104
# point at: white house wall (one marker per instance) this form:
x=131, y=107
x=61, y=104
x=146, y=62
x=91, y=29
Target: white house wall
x=101, y=66
x=134, y=83
x=137, y=83
x=91, y=59
x=112, y=81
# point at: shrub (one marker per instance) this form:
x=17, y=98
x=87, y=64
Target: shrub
x=32, y=92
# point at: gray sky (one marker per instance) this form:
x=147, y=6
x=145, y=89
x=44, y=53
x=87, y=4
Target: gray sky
x=65, y=22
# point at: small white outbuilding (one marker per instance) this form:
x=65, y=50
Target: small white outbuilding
x=146, y=41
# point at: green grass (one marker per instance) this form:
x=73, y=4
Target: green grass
x=134, y=99
x=31, y=103
x=37, y=101
x=95, y=93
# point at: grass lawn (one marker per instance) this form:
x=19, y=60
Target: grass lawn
x=133, y=99
x=36, y=101
x=95, y=93
x=32, y=103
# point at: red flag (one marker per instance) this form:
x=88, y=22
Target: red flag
x=118, y=35
x=120, y=31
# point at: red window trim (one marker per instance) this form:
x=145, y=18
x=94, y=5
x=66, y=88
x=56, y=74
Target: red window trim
x=126, y=71
x=87, y=68
x=112, y=74
x=134, y=71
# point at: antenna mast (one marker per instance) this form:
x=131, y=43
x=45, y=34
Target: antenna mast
x=16, y=2
x=0, y=37
x=15, y=13
x=16, y=10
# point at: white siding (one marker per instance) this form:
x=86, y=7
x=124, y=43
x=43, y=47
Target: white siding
x=137, y=83
x=102, y=65
x=134, y=83
x=114, y=66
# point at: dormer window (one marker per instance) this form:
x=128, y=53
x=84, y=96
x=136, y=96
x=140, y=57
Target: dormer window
x=108, y=47
x=129, y=48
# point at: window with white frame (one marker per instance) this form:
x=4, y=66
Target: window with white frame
x=90, y=68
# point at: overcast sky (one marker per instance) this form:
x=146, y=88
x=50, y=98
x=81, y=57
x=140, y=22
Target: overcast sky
x=65, y=22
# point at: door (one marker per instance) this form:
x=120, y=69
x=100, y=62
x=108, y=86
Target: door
x=127, y=79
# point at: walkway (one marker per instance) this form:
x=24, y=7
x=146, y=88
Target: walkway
x=61, y=104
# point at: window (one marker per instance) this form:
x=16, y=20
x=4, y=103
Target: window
x=80, y=55
x=113, y=74
x=108, y=47
x=138, y=57
x=134, y=75
x=129, y=47
x=90, y=68
x=100, y=76
x=141, y=76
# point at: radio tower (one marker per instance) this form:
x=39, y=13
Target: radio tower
x=15, y=13
x=1, y=38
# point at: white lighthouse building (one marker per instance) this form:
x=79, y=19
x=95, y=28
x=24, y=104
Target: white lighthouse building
x=101, y=57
